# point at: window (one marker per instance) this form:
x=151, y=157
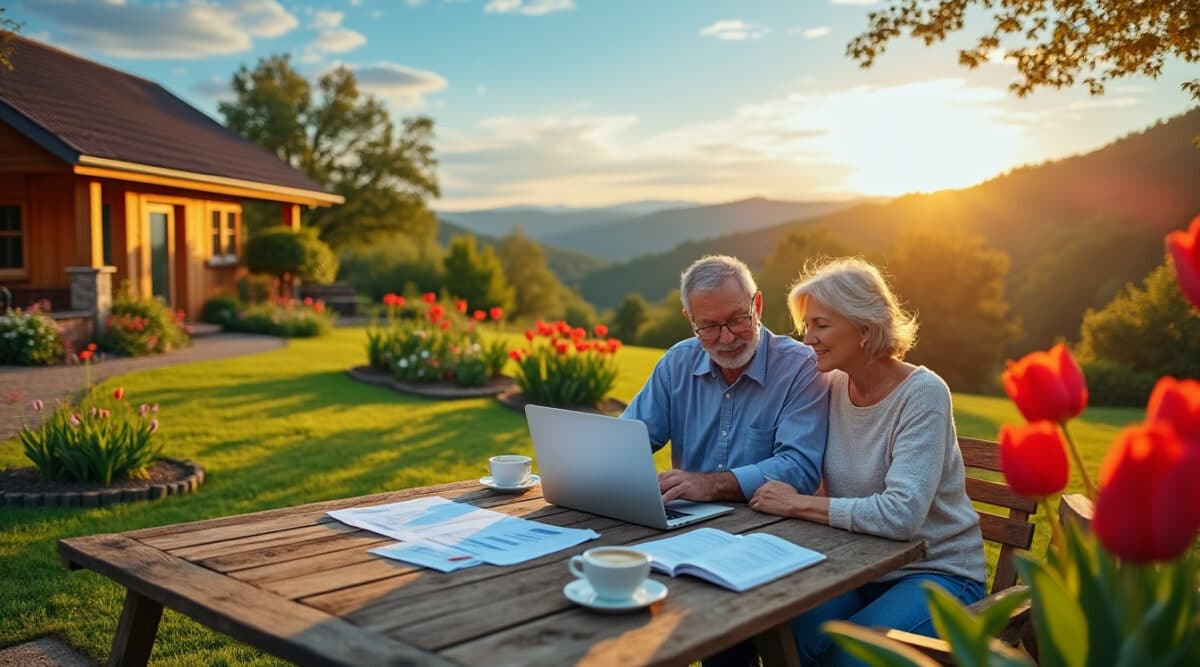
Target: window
x=12, y=242
x=225, y=229
x=106, y=233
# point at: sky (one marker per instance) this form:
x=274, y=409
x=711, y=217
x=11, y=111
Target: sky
x=597, y=102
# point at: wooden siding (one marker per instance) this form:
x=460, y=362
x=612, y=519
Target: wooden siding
x=62, y=217
x=18, y=154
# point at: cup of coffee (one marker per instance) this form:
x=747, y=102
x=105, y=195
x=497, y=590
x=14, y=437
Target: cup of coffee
x=510, y=469
x=614, y=573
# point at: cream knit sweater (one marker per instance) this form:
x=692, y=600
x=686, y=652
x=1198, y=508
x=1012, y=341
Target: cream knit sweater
x=894, y=469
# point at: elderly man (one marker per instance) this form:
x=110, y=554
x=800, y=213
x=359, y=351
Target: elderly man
x=739, y=404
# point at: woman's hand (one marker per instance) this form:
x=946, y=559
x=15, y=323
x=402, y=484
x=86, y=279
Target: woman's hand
x=775, y=497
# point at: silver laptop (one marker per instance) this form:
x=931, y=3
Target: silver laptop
x=604, y=465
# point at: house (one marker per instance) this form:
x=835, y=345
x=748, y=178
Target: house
x=108, y=179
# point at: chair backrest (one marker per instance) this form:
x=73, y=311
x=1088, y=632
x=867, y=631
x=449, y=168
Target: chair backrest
x=1011, y=531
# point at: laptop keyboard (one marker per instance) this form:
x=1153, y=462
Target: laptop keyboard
x=675, y=514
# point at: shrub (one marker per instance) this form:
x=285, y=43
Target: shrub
x=563, y=367
x=428, y=342
x=286, y=318
x=1111, y=383
x=98, y=440
x=139, y=326
x=284, y=252
x=29, y=338
x=255, y=288
x=220, y=309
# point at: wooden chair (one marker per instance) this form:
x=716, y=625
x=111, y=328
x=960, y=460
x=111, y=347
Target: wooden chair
x=1009, y=526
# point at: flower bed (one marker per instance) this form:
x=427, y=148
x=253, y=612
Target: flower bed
x=566, y=367
x=25, y=487
x=30, y=337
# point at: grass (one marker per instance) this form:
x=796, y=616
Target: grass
x=289, y=427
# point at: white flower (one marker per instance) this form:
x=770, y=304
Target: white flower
x=424, y=354
x=403, y=363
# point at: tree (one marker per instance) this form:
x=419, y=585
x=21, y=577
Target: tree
x=956, y=287
x=346, y=141
x=286, y=254
x=537, y=292
x=781, y=268
x=399, y=264
x=666, y=325
x=476, y=276
x=1053, y=42
x=8, y=28
x=1151, y=329
x=628, y=318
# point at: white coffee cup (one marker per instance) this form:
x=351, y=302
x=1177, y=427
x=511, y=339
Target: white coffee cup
x=510, y=469
x=614, y=573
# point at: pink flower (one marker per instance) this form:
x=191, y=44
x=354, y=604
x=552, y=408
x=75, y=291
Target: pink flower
x=37, y=405
x=75, y=419
x=143, y=409
x=153, y=425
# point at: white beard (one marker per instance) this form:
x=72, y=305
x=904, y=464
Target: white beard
x=744, y=354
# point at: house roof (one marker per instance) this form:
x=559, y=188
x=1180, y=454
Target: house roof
x=88, y=114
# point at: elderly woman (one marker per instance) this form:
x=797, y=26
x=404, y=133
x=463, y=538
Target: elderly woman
x=892, y=466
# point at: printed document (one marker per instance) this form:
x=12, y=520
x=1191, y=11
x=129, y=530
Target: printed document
x=453, y=534
x=737, y=562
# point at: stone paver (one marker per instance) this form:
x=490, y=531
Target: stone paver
x=44, y=652
x=52, y=382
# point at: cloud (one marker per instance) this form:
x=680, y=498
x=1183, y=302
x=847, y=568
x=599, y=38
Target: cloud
x=338, y=41
x=213, y=87
x=853, y=2
x=528, y=7
x=811, y=33
x=326, y=20
x=733, y=30
x=167, y=30
x=405, y=87
x=872, y=139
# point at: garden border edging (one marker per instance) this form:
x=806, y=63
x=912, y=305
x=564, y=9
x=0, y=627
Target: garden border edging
x=109, y=497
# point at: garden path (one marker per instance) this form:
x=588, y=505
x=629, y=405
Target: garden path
x=52, y=382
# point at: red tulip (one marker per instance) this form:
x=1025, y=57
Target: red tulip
x=85, y=355
x=435, y=313
x=529, y=334
x=1033, y=459
x=601, y=331
x=460, y=305
x=613, y=344
x=444, y=324
x=1149, y=503
x=1177, y=402
x=1184, y=248
x=429, y=297
x=516, y=355
x=562, y=347
x=479, y=315
x=496, y=313
x=119, y=393
x=1047, y=385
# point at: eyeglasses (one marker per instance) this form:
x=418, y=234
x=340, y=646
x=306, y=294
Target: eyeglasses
x=736, y=325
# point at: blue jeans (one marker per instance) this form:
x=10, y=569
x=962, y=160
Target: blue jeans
x=898, y=604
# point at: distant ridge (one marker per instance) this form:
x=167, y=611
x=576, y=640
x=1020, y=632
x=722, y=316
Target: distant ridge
x=662, y=230
x=1141, y=185
x=540, y=221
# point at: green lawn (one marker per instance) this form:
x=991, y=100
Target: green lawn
x=288, y=427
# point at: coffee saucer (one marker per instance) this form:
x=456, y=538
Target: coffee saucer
x=580, y=592
x=529, y=483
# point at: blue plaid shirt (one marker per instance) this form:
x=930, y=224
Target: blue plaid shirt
x=771, y=422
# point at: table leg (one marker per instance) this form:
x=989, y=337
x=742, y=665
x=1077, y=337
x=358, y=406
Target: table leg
x=777, y=647
x=135, y=631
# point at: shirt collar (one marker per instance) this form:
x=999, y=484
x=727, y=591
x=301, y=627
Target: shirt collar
x=756, y=370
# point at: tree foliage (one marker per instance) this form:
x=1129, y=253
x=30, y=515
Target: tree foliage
x=956, y=286
x=628, y=318
x=476, y=276
x=1053, y=43
x=666, y=325
x=399, y=263
x=1150, y=329
x=781, y=268
x=536, y=291
x=345, y=140
x=8, y=28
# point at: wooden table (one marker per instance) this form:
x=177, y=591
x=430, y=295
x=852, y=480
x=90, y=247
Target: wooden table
x=302, y=586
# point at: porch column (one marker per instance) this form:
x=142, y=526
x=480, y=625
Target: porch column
x=89, y=234
x=291, y=215
x=91, y=292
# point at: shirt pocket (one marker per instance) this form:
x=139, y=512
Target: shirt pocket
x=758, y=444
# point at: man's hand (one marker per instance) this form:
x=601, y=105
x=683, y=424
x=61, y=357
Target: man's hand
x=697, y=486
x=775, y=498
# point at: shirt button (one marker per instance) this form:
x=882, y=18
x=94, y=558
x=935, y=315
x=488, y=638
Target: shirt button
x=728, y=395
x=724, y=432
x=720, y=466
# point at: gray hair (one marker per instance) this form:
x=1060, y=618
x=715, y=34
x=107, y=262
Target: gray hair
x=857, y=290
x=710, y=272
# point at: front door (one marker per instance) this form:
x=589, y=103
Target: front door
x=162, y=224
